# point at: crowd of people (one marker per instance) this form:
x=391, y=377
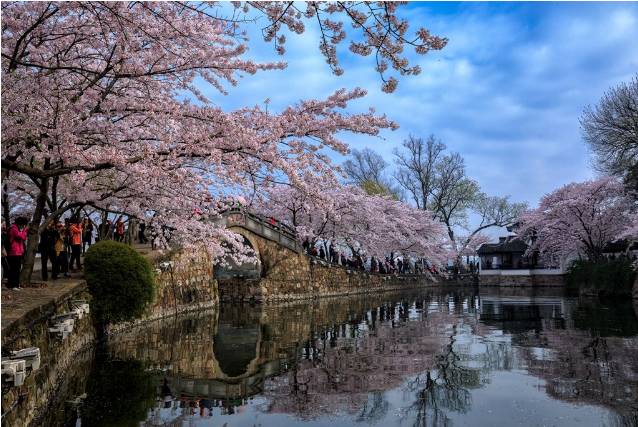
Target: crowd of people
x=62, y=244
x=388, y=265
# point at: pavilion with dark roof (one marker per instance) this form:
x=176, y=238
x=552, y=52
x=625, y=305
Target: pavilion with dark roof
x=508, y=253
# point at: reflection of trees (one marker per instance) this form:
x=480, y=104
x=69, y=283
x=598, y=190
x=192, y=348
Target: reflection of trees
x=374, y=409
x=345, y=368
x=331, y=358
x=590, y=369
x=443, y=388
x=324, y=358
x=119, y=394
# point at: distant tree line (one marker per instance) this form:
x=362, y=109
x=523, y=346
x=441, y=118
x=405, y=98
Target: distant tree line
x=435, y=179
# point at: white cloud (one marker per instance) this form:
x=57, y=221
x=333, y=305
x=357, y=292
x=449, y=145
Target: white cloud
x=506, y=92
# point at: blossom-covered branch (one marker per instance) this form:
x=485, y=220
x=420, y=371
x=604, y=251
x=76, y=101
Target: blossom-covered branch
x=578, y=219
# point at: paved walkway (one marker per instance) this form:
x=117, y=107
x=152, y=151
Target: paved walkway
x=17, y=304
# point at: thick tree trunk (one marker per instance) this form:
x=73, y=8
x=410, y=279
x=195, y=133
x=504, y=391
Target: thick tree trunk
x=33, y=233
x=5, y=205
x=105, y=232
x=131, y=231
x=457, y=260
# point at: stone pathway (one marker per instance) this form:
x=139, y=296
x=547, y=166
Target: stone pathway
x=17, y=304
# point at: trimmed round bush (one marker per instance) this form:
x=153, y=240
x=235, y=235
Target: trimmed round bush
x=120, y=280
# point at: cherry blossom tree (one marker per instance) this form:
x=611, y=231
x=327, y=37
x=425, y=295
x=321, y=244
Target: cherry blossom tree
x=380, y=31
x=100, y=106
x=577, y=219
x=346, y=215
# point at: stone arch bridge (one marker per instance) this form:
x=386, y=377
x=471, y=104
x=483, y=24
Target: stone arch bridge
x=284, y=272
x=275, y=245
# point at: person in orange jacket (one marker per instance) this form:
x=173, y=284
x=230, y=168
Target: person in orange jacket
x=75, y=229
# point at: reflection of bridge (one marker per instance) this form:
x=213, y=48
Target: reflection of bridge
x=227, y=355
x=240, y=388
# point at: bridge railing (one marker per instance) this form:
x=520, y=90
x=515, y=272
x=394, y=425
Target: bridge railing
x=271, y=230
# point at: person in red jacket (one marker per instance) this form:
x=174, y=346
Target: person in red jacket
x=119, y=230
x=17, y=239
x=75, y=230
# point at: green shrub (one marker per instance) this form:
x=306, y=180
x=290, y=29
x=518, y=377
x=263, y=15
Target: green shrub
x=120, y=280
x=611, y=277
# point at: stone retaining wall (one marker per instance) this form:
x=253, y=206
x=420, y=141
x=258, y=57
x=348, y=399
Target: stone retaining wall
x=184, y=282
x=522, y=281
x=22, y=404
x=310, y=278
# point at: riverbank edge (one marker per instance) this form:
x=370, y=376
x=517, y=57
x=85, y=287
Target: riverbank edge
x=15, y=328
x=383, y=288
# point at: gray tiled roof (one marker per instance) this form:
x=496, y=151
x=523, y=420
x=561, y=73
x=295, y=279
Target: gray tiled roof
x=508, y=246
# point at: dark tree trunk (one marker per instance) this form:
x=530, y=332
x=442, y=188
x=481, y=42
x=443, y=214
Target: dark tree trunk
x=5, y=205
x=105, y=232
x=33, y=233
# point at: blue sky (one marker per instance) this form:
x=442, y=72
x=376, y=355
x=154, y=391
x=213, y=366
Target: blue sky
x=506, y=92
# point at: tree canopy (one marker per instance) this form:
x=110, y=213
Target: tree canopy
x=101, y=106
x=611, y=131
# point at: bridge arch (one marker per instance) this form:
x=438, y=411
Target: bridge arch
x=247, y=270
x=237, y=350
x=280, y=256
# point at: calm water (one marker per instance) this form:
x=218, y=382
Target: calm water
x=456, y=357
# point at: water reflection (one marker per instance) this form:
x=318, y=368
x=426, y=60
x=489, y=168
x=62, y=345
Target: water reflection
x=453, y=357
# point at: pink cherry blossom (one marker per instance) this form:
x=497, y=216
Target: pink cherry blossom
x=348, y=217
x=578, y=219
x=94, y=112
